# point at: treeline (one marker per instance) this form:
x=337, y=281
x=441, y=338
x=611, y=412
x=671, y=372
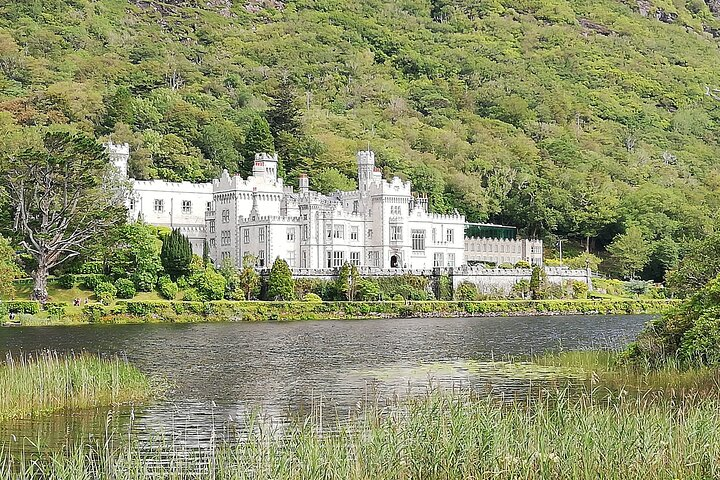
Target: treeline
x=594, y=121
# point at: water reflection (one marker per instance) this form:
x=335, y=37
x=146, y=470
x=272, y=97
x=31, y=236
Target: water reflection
x=223, y=372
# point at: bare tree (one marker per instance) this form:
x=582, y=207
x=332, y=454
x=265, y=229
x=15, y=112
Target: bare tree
x=63, y=197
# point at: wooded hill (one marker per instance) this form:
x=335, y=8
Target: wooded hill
x=571, y=118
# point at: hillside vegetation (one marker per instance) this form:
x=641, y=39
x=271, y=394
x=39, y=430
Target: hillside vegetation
x=573, y=118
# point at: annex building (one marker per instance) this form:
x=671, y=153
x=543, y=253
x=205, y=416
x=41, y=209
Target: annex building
x=380, y=226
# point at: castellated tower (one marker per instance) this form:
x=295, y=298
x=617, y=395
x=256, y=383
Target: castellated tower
x=366, y=167
x=265, y=166
x=119, y=156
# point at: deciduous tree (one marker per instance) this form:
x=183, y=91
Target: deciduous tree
x=280, y=283
x=63, y=196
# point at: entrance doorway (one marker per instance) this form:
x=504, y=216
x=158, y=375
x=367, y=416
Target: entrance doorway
x=394, y=261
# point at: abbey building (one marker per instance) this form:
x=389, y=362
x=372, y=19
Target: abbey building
x=381, y=225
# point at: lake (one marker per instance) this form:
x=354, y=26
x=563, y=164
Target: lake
x=219, y=373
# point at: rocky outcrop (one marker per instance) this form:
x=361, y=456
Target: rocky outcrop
x=644, y=6
x=589, y=25
x=714, y=6
x=666, y=17
x=254, y=6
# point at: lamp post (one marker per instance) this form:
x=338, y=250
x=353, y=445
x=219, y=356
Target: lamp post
x=559, y=242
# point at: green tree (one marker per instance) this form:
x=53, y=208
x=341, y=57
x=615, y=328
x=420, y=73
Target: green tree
x=9, y=270
x=700, y=264
x=630, y=251
x=348, y=281
x=133, y=251
x=538, y=283
x=176, y=254
x=330, y=179
x=63, y=199
x=119, y=109
x=284, y=116
x=280, y=282
x=249, y=280
x=209, y=283
x=257, y=140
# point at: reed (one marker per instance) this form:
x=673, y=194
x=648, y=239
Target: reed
x=46, y=382
x=439, y=436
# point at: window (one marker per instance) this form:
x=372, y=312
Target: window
x=225, y=255
x=211, y=226
x=291, y=258
x=451, y=260
x=355, y=206
x=339, y=231
x=211, y=243
x=418, y=240
x=328, y=231
x=395, y=233
x=355, y=258
x=246, y=235
x=328, y=258
x=208, y=206
x=434, y=235
x=291, y=234
x=450, y=235
x=374, y=258
x=225, y=216
x=353, y=233
x=395, y=210
x=303, y=259
x=338, y=259
x=159, y=205
x=261, y=234
x=305, y=233
x=186, y=206
x=438, y=260
x=131, y=205
x=225, y=238
x=369, y=234
x=261, y=258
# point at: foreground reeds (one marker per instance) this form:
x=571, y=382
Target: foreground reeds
x=48, y=382
x=448, y=436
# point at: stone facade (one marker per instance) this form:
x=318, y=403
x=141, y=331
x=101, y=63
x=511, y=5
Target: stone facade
x=381, y=225
x=502, y=250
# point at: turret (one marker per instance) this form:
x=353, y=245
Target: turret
x=304, y=183
x=366, y=167
x=265, y=166
x=119, y=156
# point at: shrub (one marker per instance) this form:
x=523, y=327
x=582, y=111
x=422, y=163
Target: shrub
x=90, y=281
x=312, y=298
x=66, y=281
x=91, y=268
x=144, y=280
x=55, y=309
x=398, y=298
x=191, y=295
x=523, y=264
x=105, y=292
x=125, y=288
x=368, y=290
x=167, y=288
x=23, y=306
x=209, y=284
x=466, y=291
x=93, y=312
x=506, y=266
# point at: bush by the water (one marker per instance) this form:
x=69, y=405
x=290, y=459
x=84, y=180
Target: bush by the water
x=105, y=292
x=690, y=332
x=167, y=288
x=125, y=288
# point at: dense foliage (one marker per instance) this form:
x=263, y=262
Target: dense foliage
x=690, y=333
x=573, y=118
x=176, y=254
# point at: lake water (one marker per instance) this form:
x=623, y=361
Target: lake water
x=221, y=372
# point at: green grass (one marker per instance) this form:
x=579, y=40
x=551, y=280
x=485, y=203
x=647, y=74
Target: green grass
x=441, y=436
x=606, y=368
x=49, y=382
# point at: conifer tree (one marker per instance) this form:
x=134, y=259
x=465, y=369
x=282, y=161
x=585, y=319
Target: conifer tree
x=280, y=283
x=257, y=140
x=284, y=116
x=176, y=254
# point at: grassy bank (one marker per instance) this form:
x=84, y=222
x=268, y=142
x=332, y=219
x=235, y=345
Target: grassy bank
x=448, y=436
x=48, y=382
x=30, y=313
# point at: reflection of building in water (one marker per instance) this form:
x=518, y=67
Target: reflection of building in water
x=381, y=225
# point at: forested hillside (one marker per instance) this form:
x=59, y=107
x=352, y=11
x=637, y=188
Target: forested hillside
x=572, y=118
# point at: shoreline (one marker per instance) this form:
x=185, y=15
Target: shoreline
x=172, y=311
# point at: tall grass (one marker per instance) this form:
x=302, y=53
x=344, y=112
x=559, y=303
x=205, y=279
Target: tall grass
x=672, y=378
x=32, y=385
x=441, y=436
